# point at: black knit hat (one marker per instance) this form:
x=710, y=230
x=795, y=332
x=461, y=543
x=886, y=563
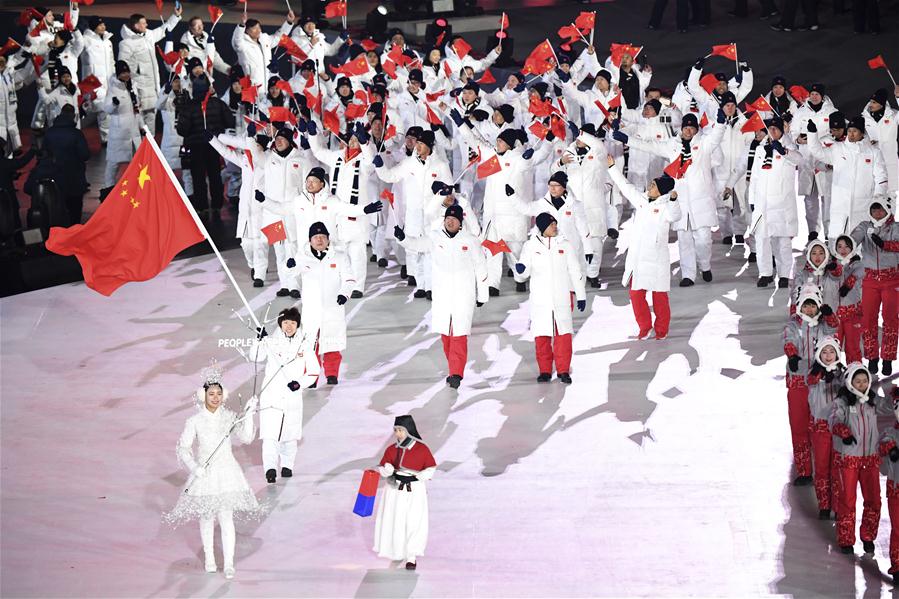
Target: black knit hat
x=507, y=112
x=286, y=133
x=455, y=211
x=318, y=228
x=689, y=120
x=880, y=96
x=344, y=82
x=414, y=131
x=473, y=86
x=728, y=97
x=319, y=173
x=121, y=67
x=416, y=75
x=720, y=77
x=605, y=75
x=544, y=219
x=818, y=87
x=308, y=65
x=559, y=177
x=94, y=21
x=837, y=120
x=856, y=122
x=427, y=138
x=664, y=184
x=779, y=80
x=518, y=75
x=588, y=128
x=289, y=314
x=655, y=105
x=541, y=87
x=510, y=136
x=776, y=122
x=193, y=63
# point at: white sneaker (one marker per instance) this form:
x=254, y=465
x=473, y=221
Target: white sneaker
x=211, y=567
x=229, y=572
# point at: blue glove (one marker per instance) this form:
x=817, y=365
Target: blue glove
x=304, y=143
x=291, y=263
x=210, y=38
x=399, y=233
x=344, y=35
x=456, y=116
x=311, y=128
x=273, y=66
x=519, y=88
x=167, y=88
x=260, y=197
x=361, y=134
x=574, y=129
x=251, y=129
x=619, y=136
x=373, y=207
x=581, y=305
x=455, y=93
x=615, y=124
x=302, y=126
x=519, y=268
x=527, y=153
x=778, y=147
x=378, y=161
x=437, y=187
x=563, y=76
x=721, y=116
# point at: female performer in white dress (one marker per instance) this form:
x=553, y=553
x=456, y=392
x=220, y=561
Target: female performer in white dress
x=217, y=486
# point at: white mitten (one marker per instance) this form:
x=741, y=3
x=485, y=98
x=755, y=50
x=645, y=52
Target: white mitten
x=251, y=404
x=387, y=470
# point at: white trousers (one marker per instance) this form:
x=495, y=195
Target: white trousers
x=255, y=250
x=283, y=251
x=495, y=264
x=275, y=451
x=595, y=246
x=782, y=249
x=207, y=534
x=695, y=247
x=149, y=117
x=358, y=256
x=817, y=205
x=419, y=266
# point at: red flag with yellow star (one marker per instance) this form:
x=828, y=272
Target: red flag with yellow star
x=136, y=231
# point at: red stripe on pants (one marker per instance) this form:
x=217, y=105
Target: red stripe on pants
x=659, y=305
x=456, y=351
x=893, y=509
x=797, y=408
x=850, y=332
x=556, y=348
x=822, y=451
x=853, y=475
x=331, y=361
x=880, y=296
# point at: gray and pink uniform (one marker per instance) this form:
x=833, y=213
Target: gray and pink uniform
x=889, y=440
x=823, y=386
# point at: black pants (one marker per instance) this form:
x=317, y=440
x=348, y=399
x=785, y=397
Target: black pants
x=682, y=16
x=788, y=15
x=75, y=207
x=206, y=162
x=865, y=12
x=741, y=9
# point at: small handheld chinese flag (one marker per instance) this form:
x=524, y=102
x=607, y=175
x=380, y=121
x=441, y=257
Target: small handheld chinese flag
x=489, y=167
x=136, y=232
x=354, y=111
x=249, y=94
x=433, y=117
x=539, y=129
x=753, y=124
x=281, y=114
x=331, y=121
x=496, y=247
x=292, y=48
x=678, y=168
x=215, y=13
x=9, y=46
x=728, y=51
x=504, y=21
x=335, y=9
x=540, y=108
x=585, y=20
x=708, y=82
x=89, y=85
x=159, y=6
x=387, y=195
x=877, y=63
x=461, y=48
x=761, y=105
x=274, y=232
x=368, y=490
x=354, y=68
x=799, y=93
x=486, y=78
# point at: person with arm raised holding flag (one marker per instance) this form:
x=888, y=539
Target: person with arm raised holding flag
x=882, y=127
x=201, y=45
x=313, y=43
x=97, y=60
x=814, y=113
x=254, y=48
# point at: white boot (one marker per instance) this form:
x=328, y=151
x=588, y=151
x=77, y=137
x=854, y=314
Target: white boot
x=207, y=530
x=226, y=525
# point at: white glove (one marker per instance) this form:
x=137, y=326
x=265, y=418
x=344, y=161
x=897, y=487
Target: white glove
x=251, y=404
x=387, y=470
x=871, y=231
x=199, y=471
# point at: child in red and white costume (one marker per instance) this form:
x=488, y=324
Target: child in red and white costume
x=825, y=378
x=889, y=447
x=848, y=275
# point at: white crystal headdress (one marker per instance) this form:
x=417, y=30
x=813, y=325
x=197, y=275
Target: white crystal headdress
x=212, y=374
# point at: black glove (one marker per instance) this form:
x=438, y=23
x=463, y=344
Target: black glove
x=211, y=39
x=209, y=135
x=811, y=127
x=293, y=386
x=721, y=116
x=304, y=143
x=527, y=153
x=311, y=128
x=519, y=88
x=167, y=88
x=563, y=76
x=291, y=263
x=479, y=304
x=341, y=300
x=301, y=125
x=829, y=375
x=447, y=190
x=581, y=305
x=437, y=187
x=700, y=62
x=273, y=66
x=877, y=240
x=557, y=91
x=550, y=136
x=454, y=93
x=261, y=332
x=851, y=399
x=831, y=266
x=378, y=161
x=509, y=190
x=787, y=116
x=612, y=233
x=817, y=369
x=344, y=35
x=251, y=129
x=456, y=116
x=844, y=290
x=849, y=440
x=793, y=363
x=894, y=454
x=778, y=147
x=399, y=233
x=115, y=101
x=373, y=207
x=826, y=310
x=260, y=197
x=744, y=66
x=479, y=115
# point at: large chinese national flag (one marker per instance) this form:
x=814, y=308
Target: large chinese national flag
x=136, y=231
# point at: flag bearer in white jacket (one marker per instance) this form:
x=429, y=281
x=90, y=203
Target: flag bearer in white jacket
x=283, y=173
x=254, y=48
x=647, y=266
x=882, y=125
x=733, y=216
x=290, y=366
x=772, y=194
x=555, y=273
x=698, y=154
x=859, y=174
x=401, y=526
x=327, y=283
x=461, y=284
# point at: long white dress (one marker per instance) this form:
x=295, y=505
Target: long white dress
x=224, y=487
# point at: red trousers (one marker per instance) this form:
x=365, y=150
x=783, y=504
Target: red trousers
x=850, y=332
x=557, y=347
x=880, y=296
x=822, y=451
x=893, y=508
x=659, y=305
x=855, y=472
x=797, y=408
x=331, y=361
x=456, y=351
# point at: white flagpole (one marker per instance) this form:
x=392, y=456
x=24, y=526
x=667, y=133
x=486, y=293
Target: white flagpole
x=184, y=199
